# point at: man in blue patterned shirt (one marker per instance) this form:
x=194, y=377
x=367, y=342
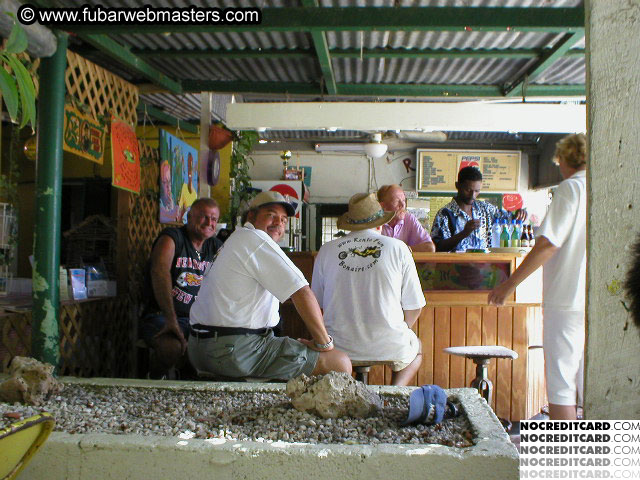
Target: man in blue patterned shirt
x=464, y=222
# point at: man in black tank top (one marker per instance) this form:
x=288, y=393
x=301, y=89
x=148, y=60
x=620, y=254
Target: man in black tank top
x=179, y=257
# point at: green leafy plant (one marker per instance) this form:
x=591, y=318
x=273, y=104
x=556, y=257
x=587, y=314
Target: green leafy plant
x=243, y=142
x=17, y=87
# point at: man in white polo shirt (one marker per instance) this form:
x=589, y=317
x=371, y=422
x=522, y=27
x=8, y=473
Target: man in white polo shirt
x=369, y=289
x=232, y=318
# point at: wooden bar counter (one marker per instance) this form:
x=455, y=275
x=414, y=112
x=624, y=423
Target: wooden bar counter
x=456, y=286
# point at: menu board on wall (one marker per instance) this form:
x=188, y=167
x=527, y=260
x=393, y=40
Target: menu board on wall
x=438, y=169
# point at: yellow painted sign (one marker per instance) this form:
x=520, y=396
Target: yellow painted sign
x=438, y=169
x=83, y=135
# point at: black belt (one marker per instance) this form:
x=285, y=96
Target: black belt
x=208, y=331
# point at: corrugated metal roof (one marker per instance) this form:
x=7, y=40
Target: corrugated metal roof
x=432, y=71
x=564, y=71
x=569, y=70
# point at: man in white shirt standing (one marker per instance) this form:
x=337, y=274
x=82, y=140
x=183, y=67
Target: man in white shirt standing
x=232, y=318
x=369, y=289
x=561, y=243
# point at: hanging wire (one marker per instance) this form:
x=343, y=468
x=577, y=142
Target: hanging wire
x=179, y=132
x=525, y=84
x=144, y=124
x=375, y=180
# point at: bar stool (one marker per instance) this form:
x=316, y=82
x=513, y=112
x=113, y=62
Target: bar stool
x=362, y=367
x=481, y=356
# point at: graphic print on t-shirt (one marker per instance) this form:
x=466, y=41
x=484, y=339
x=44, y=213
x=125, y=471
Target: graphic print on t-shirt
x=359, y=254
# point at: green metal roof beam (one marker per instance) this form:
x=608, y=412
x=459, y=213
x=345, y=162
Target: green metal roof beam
x=324, y=59
x=322, y=53
x=417, y=90
x=425, y=90
x=307, y=19
x=444, y=53
x=295, y=54
x=166, y=118
x=365, y=89
x=545, y=61
x=122, y=55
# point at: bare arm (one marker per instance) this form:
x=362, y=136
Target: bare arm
x=424, y=247
x=307, y=306
x=161, y=259
x=411, y=316
x=537, y=257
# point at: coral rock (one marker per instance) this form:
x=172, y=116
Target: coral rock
x=333, y=395
x=30, y=381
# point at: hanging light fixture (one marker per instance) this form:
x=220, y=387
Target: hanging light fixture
x=375, y=148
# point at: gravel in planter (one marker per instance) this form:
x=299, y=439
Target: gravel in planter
x=239, y=416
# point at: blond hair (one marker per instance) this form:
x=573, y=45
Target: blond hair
x=573, y=150
x=383, y=190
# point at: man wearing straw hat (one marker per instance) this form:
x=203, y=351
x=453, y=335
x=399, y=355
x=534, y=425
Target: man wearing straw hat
x=233, y=317
x=369, y=289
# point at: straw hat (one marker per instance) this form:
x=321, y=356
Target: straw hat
x=364, y=212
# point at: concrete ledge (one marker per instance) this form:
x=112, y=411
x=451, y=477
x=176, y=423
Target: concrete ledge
x=105, y=456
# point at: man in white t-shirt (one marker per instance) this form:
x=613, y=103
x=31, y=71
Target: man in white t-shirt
x=369, y=289
x=561, y=248
x=232, y=317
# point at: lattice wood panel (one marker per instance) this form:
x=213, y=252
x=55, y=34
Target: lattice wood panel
x=94, y=338
x=15, y=337
x=104, y=92
x=144, y=225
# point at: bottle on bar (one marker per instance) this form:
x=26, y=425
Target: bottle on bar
x=496, y=230
x=532, y=238
x=524, y=238
x=515, y=235
x=504, y=236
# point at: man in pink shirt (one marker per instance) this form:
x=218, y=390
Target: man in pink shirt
x=403, y=226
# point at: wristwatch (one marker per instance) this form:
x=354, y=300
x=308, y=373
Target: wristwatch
x=324, y=346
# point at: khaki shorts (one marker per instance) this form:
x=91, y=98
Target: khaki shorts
x=252, y=355
x=416, y=345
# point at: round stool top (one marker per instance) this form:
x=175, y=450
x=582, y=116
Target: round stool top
x=482, y=351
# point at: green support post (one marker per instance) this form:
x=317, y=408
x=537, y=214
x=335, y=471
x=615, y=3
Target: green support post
x=45, y=335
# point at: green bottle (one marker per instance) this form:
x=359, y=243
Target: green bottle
x=504, y=236
x=515, y=235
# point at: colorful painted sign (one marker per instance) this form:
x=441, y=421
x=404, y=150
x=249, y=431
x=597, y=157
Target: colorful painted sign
x=125, y=156
x=461, y=276
x=83, y=135
x=178, y=178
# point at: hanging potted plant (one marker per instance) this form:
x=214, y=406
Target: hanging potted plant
x=219, y=136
